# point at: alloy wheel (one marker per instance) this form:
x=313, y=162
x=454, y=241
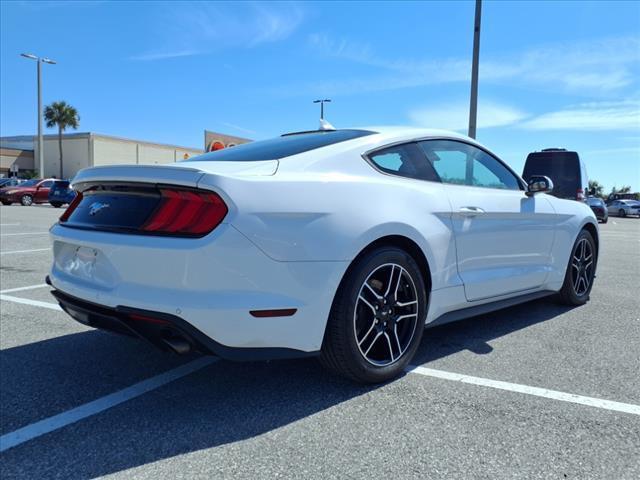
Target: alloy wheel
x=386, y=314
x=582, y=267
x=26, y=200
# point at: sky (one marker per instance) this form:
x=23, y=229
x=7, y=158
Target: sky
x=552, y=74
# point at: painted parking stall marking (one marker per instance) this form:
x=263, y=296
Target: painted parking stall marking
x=535, y=391
x=33, y=303
x=20, y=289
x=94, y=407
x=23, y=233
x=28, y=301
x=26, y=251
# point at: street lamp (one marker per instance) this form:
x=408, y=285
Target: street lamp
x=322, y=102
x=473, y=104
x=40, y=61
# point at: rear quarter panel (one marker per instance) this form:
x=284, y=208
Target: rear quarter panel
x=332, y=216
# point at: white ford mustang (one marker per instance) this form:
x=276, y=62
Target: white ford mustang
x=342, y=243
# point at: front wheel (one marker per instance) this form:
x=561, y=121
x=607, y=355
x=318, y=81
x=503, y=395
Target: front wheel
x=622, y=213
x=377, y=317
x=26, y=200
x=605, y=219
x=56, y=204
x=578, y=279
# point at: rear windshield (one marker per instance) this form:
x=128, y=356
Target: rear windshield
x=280, y=147
x=563, y=168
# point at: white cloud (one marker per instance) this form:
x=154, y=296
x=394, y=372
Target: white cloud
x=164, y=55
x=197, y=28
x=622, y=115
x=239, y=128
x=455, y=116
x=596, y=66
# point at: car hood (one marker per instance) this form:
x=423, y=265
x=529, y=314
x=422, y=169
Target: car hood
x=17, y=187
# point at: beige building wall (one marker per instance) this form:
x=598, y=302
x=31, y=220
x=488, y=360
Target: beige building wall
x=113, y=151
x=154, y=154
x=76, y=155
x=107, y=151
x=82, y=150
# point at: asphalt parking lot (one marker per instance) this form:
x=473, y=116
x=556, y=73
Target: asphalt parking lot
x=534, y=391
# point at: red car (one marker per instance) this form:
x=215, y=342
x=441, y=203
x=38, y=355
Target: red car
x=27, y=193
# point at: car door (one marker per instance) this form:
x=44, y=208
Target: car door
x=503, y=237
x=42, y=191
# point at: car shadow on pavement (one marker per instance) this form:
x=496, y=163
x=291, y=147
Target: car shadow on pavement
x=221, y=404
x=473, y=333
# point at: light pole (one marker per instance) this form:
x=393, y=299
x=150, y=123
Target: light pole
x=473, y=106
x=40, y=61
x=322, y=102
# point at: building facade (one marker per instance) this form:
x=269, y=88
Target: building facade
x=82, y=150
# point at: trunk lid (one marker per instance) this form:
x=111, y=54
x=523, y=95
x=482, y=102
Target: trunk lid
x=182, y=173
x=156, y=199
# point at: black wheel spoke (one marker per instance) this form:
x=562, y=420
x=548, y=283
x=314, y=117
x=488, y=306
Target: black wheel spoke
x=582, y=267
x=386, y=314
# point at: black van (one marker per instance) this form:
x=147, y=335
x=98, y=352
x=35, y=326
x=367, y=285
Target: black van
x=563, y=167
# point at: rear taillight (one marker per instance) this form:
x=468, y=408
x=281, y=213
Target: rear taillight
x=580, y=195
x=72, y=206
x=186, y=212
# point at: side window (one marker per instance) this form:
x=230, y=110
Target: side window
x=46, y=184
x=463, y=164
x=406, y=160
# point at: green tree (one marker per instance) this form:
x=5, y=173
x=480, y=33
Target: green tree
x=623, y=189
x=596, y=188
x=63, y=116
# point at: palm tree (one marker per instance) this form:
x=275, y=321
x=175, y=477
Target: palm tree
x=64, y=116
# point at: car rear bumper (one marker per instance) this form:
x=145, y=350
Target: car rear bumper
x=164, y=331
x=213, y=284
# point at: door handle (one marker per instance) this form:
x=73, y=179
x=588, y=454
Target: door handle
x=471, y=211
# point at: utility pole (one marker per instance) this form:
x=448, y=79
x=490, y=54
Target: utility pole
x=473, y=106
x=40, y=61
x=322, y=102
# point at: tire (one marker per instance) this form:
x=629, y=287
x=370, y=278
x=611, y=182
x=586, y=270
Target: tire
x=581, y=268
x=358, y=341
x=4, y=202
x=26, y=200
x=605, y=220
x=622, y=213
x=56, y=204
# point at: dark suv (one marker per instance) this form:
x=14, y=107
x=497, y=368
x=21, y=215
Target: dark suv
x=563, y=167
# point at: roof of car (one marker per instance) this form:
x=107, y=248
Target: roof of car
x=402, y=132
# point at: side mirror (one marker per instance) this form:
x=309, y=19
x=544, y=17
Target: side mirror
x=539, y=184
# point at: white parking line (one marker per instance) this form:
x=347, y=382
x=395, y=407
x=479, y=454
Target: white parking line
x=19, y=289
x=535, y=391
x=63, y=419
x=9, y=224
x=56, y=422
x=23, y=233
x=26, y=251
x=27, y=301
